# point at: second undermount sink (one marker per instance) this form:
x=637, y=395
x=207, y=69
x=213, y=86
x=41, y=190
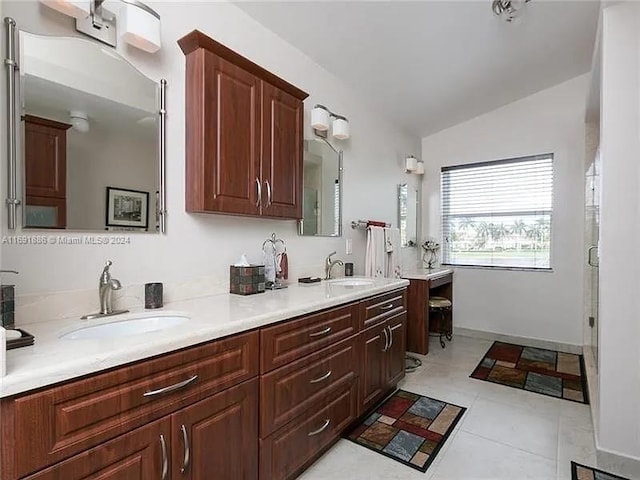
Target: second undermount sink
x=125, y=328
x=351, y=282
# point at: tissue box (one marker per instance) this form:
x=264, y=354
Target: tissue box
x=247, y=280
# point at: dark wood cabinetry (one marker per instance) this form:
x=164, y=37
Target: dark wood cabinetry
x=261, y=404
x=218, y=437
x=45, y=146
x=244, y=135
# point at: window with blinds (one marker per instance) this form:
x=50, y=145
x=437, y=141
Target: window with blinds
x=498, y=214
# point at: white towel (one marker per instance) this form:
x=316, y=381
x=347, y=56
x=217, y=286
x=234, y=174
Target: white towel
x=374, y=264
x=393, y=265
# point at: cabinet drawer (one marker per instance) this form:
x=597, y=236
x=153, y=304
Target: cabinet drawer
x=294, y=339
x=381, y=307
x=291, y=390
x=443, y=280
x=285, y=453
x=84, y=413
x=137, y=455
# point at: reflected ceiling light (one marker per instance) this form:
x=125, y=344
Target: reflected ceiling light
x=410, y=164
x=420, y=168
x=140, y=24
x=322, y=117
x=79, y=120
x=508, y=10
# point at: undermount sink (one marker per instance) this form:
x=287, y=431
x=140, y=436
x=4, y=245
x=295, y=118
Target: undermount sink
x=351, y=282
x=124, y=328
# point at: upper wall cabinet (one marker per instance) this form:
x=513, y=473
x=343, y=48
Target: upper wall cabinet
x=244, y=134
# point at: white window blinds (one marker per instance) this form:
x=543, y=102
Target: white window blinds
x=498, y=214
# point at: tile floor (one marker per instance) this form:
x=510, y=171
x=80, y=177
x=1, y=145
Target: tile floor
x=506, y=433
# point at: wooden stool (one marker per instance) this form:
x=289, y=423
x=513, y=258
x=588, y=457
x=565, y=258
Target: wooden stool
x=443, y=306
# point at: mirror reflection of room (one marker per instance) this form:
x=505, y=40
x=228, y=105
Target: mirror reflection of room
x=90, y=128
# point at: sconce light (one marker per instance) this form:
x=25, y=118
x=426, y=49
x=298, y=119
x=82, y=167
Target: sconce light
x=140, y=24
x=420, y=169
x=321, y=118
x=410, y=164
x=79, y=121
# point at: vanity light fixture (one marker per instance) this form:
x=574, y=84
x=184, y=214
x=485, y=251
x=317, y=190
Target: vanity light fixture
x=419, y=168
x=508, y=10
x=79, y=121
x=139, y=23
x=322, y=117
x=410, y=164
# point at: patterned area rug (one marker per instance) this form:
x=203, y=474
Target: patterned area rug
x=582, y=472
x=409, y=428
x=548, y=372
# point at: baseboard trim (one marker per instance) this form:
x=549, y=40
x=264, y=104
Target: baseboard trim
x=529, y=342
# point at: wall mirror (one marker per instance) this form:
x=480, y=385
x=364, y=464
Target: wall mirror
x=322, y=190
x=408, y=215
x=89, y=138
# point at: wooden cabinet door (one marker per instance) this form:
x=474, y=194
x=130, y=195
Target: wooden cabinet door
x=397, y=349
x=142, y=454
x=281, y=153
x=373, y=372
x=218, y=437
x=223, y=139
x=45, y=146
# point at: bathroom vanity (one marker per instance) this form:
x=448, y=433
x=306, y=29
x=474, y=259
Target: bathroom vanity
x=259, y=394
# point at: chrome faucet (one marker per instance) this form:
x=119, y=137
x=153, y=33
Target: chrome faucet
x=329, y=264
x=106, y=286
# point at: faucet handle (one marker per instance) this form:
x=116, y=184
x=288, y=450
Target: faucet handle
x=331, y=255
x=107, y=264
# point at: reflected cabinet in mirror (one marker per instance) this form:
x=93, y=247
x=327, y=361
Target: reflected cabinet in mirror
x=322, y=192
x=408, y=215
x=91, y=137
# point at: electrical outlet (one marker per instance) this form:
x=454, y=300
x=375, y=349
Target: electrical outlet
x=349, y=246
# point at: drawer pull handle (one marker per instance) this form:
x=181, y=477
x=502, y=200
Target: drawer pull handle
x=323, y=377
x=321, y=332
x=187, y=450
x=165, y=458
x=387, y=307
x=171, y=388
x=321, y=429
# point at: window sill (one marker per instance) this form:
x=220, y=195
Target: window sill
x=487, y=267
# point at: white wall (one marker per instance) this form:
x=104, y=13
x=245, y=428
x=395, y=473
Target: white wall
x=619, y=369
x=537, y=305
x=204, y=245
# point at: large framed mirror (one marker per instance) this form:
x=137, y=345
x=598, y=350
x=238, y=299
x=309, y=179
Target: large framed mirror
x=322, y=190
x=88, y=137
x=408, y=215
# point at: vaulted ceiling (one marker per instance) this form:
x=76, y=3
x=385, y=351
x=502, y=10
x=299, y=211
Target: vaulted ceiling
x=429, y=65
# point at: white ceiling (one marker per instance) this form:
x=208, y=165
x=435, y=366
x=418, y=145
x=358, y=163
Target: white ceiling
x=429, y=65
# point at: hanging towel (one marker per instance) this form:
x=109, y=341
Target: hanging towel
x=393, y=264
x=374, y=264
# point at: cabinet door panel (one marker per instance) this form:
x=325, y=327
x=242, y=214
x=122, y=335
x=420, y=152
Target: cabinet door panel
x=281, y=153
x=221, y=436
x=396, y=352
x=134, y=456
x=373, y=372
x=45, y=145
x=223, y=141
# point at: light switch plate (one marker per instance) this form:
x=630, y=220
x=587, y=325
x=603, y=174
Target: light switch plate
x=349, y=246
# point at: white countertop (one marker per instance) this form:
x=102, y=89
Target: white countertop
x=52, y=359
x=426, y=274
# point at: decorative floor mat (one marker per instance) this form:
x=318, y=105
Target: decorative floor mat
x=408, y=428
x=582, y=472
x=548, y=372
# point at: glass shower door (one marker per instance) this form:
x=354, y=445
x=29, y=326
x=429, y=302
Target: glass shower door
x=592, y=236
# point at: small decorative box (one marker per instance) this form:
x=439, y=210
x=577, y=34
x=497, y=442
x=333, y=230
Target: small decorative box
x=7, y=306
x=247, y=280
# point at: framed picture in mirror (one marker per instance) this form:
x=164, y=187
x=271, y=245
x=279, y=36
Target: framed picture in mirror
x=127, y=208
